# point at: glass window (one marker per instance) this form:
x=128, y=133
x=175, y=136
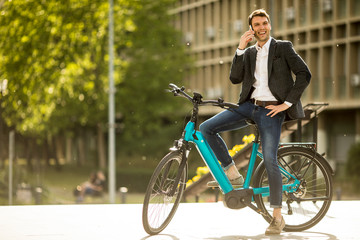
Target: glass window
x=340, y=70
x=341, y=9
x=279, y=14
x=327, y=71
x=315, y=9
x=302, y=10
x=341, y=31
x=327, y=34
x=355, y=7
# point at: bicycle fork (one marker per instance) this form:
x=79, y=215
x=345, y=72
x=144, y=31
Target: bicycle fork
x=184, y=149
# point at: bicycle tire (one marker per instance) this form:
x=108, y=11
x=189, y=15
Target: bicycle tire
x=316, y=177
x=158, y=207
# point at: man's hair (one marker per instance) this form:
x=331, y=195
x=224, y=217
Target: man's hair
x=258, y=13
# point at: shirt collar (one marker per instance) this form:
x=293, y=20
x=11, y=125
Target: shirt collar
x=265, y=46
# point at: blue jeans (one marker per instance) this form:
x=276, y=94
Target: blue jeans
x=269, y=129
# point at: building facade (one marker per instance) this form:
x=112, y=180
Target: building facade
x=325, y=33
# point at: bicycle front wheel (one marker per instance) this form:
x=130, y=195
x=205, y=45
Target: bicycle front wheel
x=306, y=206
x=161, y=201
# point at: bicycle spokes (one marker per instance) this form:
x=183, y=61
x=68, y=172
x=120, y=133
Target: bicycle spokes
x=305, y=205
x=163, y=193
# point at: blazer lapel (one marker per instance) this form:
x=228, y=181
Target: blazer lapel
x=271, y=56
x=253, y=60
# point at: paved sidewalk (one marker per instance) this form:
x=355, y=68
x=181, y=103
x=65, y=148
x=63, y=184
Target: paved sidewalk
x=210, y=221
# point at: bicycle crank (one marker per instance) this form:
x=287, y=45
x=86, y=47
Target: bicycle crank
x=238, y=199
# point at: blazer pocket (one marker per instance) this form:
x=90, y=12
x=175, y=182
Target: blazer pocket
x=278, y=64
x=296, y=111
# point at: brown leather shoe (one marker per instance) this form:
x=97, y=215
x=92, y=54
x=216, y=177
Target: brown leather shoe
x=275, y=227
x=235, y=182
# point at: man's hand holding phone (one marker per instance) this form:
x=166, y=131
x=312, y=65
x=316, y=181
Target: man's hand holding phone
x=247, y=37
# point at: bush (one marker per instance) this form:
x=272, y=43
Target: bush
x=353, y=163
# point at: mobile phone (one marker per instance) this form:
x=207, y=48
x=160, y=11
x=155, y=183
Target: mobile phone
x=253, y=31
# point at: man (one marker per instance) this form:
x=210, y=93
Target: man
x=269, y=94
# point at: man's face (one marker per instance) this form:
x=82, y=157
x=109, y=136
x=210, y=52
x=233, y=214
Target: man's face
x=261, y=27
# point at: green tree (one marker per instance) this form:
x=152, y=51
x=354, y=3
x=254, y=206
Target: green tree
x=353, y=164
x=54, y=58
x=157, y=57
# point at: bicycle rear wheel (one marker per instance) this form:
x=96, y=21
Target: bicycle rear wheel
x=309, y=204
x=159, y=205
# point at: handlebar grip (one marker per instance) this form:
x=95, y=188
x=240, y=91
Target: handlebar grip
x=220, y=102
x=231, y=105
x=173, y=86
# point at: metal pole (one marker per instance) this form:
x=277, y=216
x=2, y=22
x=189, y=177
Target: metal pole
x=11, y=160
x=112, y=186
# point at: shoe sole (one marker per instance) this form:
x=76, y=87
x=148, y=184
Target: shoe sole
x=234, y=185
x=275, y=233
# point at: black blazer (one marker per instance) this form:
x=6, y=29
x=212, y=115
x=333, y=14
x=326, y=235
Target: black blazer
x=283, y=61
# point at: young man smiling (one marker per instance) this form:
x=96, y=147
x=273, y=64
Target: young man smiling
x=269, y=95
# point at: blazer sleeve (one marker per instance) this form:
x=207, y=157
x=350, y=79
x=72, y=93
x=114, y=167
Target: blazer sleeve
x=301, y=71
x=237, y=69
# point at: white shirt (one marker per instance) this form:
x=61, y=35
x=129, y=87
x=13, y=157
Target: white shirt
x=262, y=91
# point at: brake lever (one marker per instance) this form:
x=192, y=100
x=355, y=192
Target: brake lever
x=221, y=103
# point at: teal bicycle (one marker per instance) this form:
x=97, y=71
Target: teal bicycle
x=307, y=178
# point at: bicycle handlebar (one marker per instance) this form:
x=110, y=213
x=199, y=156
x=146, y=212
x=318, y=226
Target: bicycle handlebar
x=197, y=98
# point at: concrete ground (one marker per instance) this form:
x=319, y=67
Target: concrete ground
x=211, y=221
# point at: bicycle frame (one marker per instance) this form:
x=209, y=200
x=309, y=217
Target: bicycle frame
x=192, y=135
x=299, y=164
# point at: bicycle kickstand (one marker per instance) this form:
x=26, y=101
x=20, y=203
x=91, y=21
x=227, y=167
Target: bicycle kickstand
x=253, y=207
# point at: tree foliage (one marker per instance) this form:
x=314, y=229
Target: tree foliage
x=156, y=57
x=353, y=163
x=54, y=58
